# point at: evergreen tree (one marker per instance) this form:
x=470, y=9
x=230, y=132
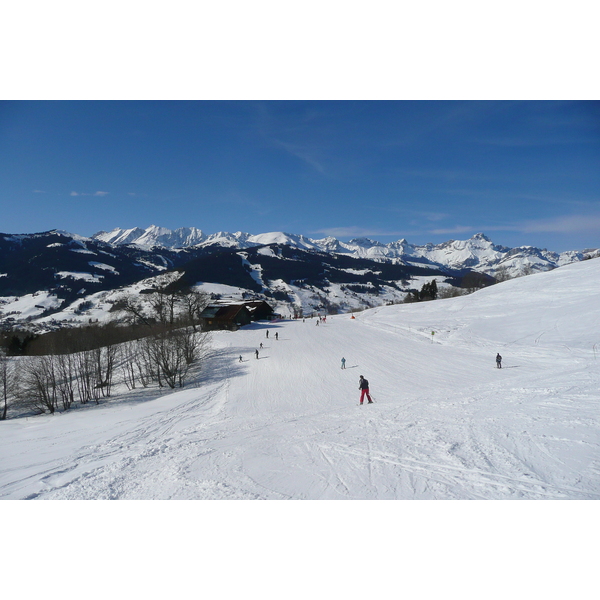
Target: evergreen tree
x=433, y=290
x=428, y=291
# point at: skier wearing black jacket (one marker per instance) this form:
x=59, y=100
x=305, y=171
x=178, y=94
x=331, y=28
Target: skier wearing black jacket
x=363, y=385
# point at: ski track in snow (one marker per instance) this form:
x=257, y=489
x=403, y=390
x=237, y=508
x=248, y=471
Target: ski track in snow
x=446, y=424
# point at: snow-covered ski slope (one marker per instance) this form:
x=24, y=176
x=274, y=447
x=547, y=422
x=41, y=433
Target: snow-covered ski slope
x=446, y=423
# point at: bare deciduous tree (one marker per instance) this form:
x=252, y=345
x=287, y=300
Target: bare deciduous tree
x=133, y=309
x=40, y=385
x=128, y=366
x=87, y=381
x=65, y=369
x=194, y=302
x=8, y=383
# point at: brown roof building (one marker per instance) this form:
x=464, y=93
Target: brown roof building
x=234, y=316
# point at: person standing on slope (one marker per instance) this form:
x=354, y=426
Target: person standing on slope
x=343, y=363
x=363, y=385
x=498, y=361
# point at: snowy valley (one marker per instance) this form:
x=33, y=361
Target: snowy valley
x=446, y=423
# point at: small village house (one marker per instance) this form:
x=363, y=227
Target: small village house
x=235, y=315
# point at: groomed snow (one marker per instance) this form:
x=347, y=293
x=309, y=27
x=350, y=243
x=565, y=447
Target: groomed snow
x=446, y=423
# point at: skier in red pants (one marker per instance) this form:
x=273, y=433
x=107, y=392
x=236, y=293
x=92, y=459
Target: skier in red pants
x=363, y=385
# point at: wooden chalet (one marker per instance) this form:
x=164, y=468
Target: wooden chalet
x=235, y=315
x=259, y=310
x=224, y=316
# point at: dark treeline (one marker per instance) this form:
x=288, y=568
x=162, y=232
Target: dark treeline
x=70, y=340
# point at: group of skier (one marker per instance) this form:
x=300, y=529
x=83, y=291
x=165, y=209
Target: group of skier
x=363, y=384
x=256, y=353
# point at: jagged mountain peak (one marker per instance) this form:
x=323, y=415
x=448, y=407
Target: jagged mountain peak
x=364, y=242
x=153, y=235
x=120, y=237
x=482, y=237
x=477, y=252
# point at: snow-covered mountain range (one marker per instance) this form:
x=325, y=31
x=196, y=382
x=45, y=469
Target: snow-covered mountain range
x=55, y=278
x=477, y=253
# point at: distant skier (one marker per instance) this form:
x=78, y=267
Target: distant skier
x=267, y=334
x=261, y=346
x=498, y=361
x=276, y=335
x=343, y=363
x=241, y=358
x=363, y=385
x=256, y=352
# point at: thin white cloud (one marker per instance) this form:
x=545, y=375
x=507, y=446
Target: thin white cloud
x=570, y=224
x=532, y=141
x=434, y=216
x=489, y=194
x=98, y=193
x=272, y=128
x=39, y=192
x=511, y=142
x=445, y=174
x=457, y=229
x=302, y=154
x=427, y=215
x=341, y=232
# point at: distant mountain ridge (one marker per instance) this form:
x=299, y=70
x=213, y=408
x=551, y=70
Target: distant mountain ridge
x=477, y=253
x=56, y=278
x=152, y=236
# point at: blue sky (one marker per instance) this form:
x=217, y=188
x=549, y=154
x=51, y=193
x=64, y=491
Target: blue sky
x=522, y=172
